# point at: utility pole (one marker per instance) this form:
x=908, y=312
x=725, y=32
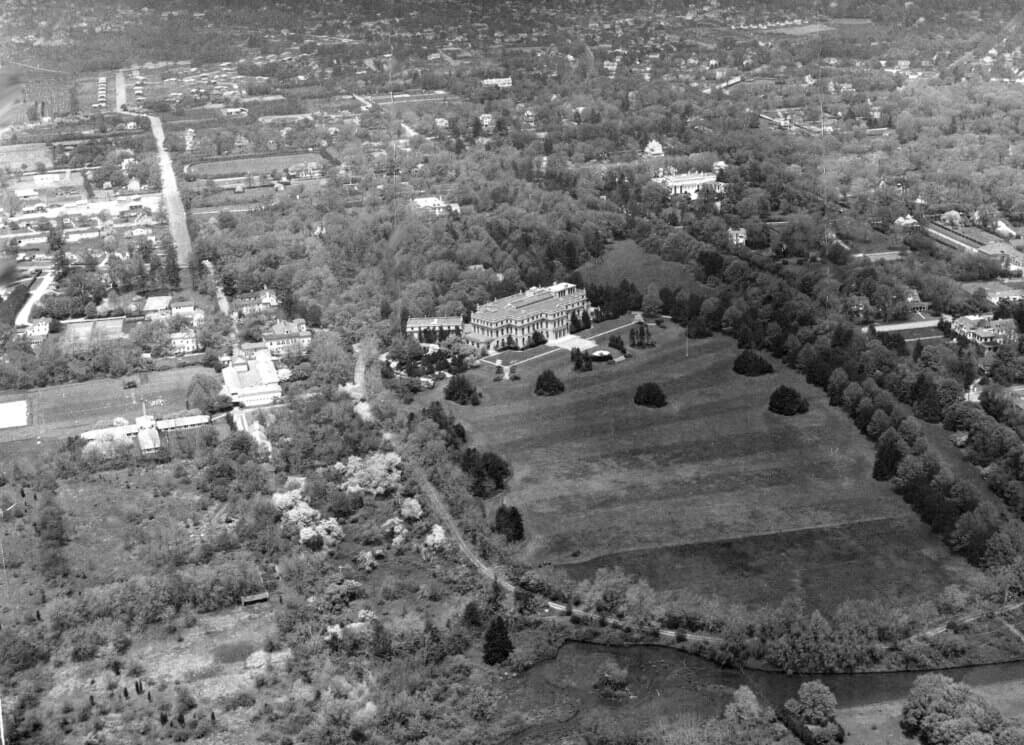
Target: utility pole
x=3, y=740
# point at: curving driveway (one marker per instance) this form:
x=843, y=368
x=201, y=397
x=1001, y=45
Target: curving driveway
x=172, y=203
x=42, y=285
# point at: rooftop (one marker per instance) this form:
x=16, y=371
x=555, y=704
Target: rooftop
x=531, y=302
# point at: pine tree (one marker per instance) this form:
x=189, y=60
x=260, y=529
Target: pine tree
x=497, y=644
x=585, y=320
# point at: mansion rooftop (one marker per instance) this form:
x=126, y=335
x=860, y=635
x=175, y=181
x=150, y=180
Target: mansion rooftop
x=525, y=304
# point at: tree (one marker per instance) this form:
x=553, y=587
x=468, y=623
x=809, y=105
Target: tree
x=548, y=384
x=497, y=644
x=814, y=703
x=888, y=453
x=462, y=391
x=752, y=364
x=649, y=394
x=204, y=393
x=651, y=304
x=172, y=270
x=787, y=401
x=509, y=523
x=52, y=537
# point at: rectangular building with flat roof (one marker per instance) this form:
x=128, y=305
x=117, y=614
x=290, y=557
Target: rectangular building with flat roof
x=433, y=330
x=513, y=320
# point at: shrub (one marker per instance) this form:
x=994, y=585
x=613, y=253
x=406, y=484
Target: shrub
x=233, y=651
x=787, y=401
x=19, y=653
x=752, y=364
x=649, y=394
x=548, y=384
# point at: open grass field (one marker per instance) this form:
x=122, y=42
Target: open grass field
x=626, y=260
x=712, y=491
x=25, y=157
x=68, y=410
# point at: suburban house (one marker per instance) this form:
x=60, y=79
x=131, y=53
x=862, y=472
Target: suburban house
x=185, y=308
x=653, y=149
x=36, y=331
x=436, y=206
x=691, y=183
x=287, y=337
x=737, y=237
x=250, y=378
x=914, y=302
x=184, y=342
x=432, y=330
x=986, y=332
x=547, y=310
x=250, y=303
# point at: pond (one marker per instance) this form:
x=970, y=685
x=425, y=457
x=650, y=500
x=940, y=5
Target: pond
x=672, y=683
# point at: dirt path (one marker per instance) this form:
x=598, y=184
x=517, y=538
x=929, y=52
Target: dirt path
x=440, y=509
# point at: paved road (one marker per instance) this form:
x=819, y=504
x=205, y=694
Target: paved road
x=41, y=286
x=120, y=91
x=172, y=203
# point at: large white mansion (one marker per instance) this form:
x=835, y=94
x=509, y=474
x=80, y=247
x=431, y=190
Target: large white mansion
x=544, y=309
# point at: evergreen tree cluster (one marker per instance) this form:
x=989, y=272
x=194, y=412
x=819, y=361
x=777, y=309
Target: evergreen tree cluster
x=489, y=471
x=787, y=401
x=640, y=335
x=579, y=322
x=548, y=384
x=581, y=361
x=509, y=523
x=650, y=395
x=752, y=364
x=461, y=390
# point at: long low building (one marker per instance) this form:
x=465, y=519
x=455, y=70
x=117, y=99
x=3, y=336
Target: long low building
x=433, y=329
x=513, y=320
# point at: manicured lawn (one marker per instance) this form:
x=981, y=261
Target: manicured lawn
x=626, y=260
x=596, y=476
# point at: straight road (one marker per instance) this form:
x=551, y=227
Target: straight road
x=120, y=91
x=172, y=204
